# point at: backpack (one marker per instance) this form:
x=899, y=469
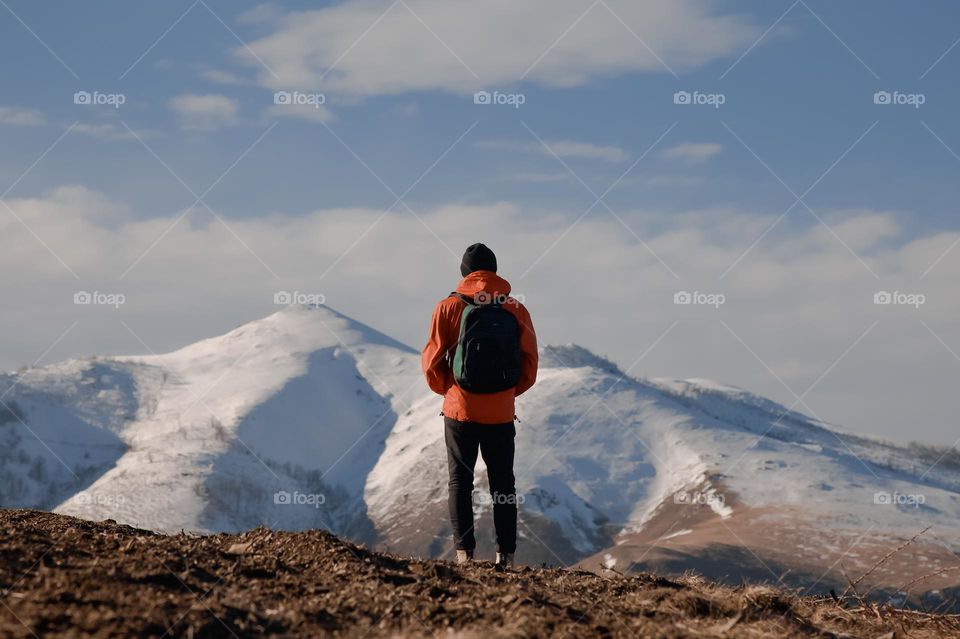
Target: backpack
x=487, y=356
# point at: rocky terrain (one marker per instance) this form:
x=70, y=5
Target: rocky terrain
x=61, y=576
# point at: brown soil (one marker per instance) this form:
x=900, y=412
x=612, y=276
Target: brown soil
x=783, y=548
x=61, y=576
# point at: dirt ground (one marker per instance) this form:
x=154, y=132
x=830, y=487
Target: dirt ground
x=784, y=546
x=61, y=576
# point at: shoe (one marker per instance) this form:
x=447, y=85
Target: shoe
x=464, y=556
x=504, y=560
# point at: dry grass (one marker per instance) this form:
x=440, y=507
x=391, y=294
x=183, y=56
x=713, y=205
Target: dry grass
x=64, y=576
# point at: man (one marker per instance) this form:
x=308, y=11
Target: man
x=480, y=370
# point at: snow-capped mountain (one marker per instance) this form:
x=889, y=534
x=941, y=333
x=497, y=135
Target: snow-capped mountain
x=309, y=419
x=216, y=436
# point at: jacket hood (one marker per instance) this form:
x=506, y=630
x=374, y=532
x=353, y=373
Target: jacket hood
x=486, y=281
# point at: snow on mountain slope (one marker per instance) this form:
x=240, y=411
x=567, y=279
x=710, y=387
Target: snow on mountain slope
x=782, y=458
x=581, y=463
x=59, y=428
x=297, y=403
x=602, y=456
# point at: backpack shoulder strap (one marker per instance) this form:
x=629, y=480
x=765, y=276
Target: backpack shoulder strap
x=464, y=298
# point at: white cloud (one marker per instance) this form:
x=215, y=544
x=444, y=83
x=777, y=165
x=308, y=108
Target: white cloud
x=223, y=77
x=560, y=148
x=377, y=47
x=539, y=178
x=17, y=116
x=72, y=208
x=409, y=110
x=665, y=181
x=300, y=111
x=109, y=131
x=265, y=13
x=691, y=152
x=205, y=112
x=798, y=299
x=586, y=151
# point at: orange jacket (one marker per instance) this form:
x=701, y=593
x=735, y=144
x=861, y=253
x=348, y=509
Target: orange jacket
x=483, y=408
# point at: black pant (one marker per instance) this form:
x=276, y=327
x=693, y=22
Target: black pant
x=495, y=443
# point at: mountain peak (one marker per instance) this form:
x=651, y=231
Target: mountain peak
x=298, y=328
x=332, y=320
x=574, y=356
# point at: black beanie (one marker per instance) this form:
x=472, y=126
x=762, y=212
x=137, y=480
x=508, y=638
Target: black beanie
x=478, y=257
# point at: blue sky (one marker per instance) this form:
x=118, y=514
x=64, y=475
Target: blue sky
x=799, y=73
x=696, y=203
